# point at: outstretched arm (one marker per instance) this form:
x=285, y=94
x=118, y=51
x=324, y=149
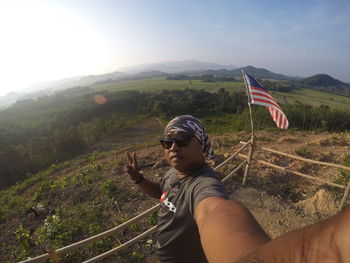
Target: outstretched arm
x=325, y=241
x=132, y=170
x=229, y=233
x=227, y=229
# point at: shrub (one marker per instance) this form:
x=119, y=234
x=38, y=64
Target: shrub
x=304, y=151
x=25, y=241
x=108, y=187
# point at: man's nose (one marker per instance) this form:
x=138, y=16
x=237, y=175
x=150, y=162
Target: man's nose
x=174, y=147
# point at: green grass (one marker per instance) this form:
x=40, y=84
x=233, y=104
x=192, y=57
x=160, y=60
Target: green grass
x=314, y=98
x=225, y=123
x=305, y=96
x=159, y=84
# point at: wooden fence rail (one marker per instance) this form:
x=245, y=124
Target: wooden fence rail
x=153, y=229
x=303, y=159
x=150, y=231
x=123, y=246
x=92, y=239
x=346, y=187
x=114, y=230
x=295, y=172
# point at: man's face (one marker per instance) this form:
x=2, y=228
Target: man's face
x=186, y=155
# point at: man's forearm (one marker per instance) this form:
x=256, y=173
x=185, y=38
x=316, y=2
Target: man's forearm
x=151, y=188
x=326, y=241
x=229, y=232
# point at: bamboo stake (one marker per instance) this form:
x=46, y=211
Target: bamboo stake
x=295, y=172
x=148, y=232
x=232, y=156
x=234, y=171
x=249, y=104
x=247, y=168
x=109, y=232
x=345, y=196
x=249, y=161
x=89, y=240
x=302, y=159
x=123, y=246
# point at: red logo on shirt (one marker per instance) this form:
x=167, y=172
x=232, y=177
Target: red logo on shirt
x=163, y=197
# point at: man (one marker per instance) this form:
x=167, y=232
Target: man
x=188, y=193
x=196, y=222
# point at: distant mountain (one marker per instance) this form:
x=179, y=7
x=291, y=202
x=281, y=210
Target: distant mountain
x=176, y=67
x=327, y=83
x=264, y=73
x=149, y=74
x=50, y=87
x=255, y=72
x=165, y=69
x=322, y=80
x=57, y=85
x=91, y=79
x=51, y=84
x=9, y=99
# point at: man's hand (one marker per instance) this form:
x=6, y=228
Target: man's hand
x=132, y=169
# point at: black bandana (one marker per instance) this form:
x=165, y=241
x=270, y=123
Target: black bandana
x=190, y=124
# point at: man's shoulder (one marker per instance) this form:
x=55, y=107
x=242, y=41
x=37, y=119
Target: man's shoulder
x=206, y=171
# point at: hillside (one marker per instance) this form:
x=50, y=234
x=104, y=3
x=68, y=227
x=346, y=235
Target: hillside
x=89, y=194
x=327, y=83
x=37, y=133
x=306, y=96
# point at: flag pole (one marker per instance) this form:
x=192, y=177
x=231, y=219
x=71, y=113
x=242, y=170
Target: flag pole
x=249, y=104
x=247, y=167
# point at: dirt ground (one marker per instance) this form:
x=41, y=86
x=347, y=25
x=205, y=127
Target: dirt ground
x=280, y=201
x=278, y=210
x=299, y=201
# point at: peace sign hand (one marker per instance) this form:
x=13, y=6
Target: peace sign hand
x=132, y=169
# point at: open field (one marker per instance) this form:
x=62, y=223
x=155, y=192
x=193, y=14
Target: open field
x=306, y=96
x=314, y=98
x=159, y=84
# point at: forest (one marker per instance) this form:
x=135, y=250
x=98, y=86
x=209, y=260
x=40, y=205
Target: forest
x=35, y=134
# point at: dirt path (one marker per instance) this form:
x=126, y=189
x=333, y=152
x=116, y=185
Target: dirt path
x=147, y=130
x=274, y=215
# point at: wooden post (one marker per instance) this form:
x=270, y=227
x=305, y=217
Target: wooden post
x=247, y=167
x=54, y=256
x=345, y=196
x=249, y=160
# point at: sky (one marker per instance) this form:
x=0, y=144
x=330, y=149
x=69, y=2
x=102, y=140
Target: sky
x=56, y=39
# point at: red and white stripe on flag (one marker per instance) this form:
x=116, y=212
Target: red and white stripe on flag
x=259, y=95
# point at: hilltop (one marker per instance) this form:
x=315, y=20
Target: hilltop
x=89, y=194
x=327, y=83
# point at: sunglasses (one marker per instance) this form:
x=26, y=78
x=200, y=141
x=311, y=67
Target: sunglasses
x=181, y=141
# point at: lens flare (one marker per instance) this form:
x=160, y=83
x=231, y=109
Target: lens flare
x=100, y=99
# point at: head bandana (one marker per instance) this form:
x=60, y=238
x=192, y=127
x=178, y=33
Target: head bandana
x=189, y=124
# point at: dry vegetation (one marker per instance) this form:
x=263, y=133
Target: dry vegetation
x=90, y=194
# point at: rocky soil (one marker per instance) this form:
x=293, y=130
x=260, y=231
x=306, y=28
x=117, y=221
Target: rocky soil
x=280, y=201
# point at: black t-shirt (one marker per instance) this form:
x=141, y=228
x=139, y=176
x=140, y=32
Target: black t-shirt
x=177, y=236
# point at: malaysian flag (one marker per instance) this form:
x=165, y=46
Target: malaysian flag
x=259, y=95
